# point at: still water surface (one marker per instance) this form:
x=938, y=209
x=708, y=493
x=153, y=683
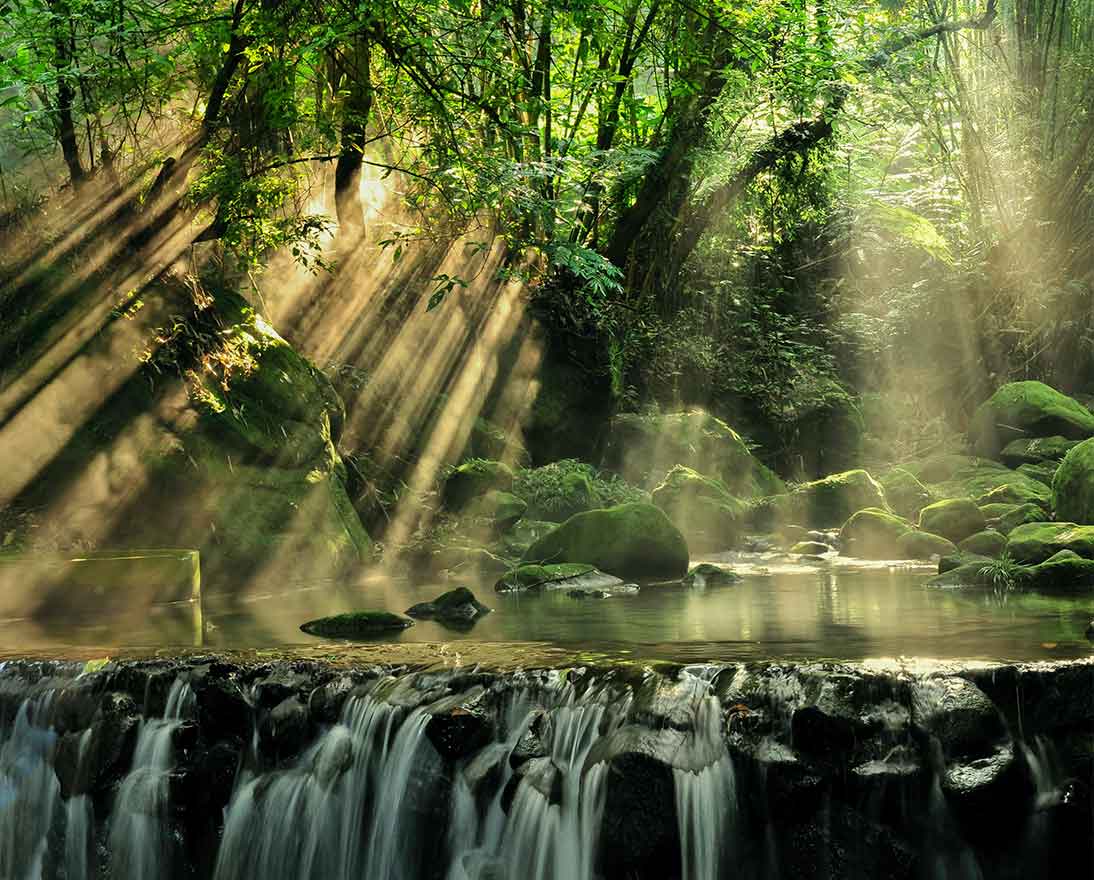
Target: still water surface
x=782, y=608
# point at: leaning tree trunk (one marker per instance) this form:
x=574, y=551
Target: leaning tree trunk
x=357, y=83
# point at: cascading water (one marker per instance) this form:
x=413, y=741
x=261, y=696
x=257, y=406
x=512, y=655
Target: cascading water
x=706, y=800
x=539, y=776
x=138, y=837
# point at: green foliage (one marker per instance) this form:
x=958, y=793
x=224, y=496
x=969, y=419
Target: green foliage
x=548, y=490
x=1003, y=573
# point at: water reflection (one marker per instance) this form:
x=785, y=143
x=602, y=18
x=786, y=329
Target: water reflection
x=835, y=608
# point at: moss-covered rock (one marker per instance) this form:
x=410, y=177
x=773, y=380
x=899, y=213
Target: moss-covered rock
x=811, y=548
x=986, y=543
x=458, y=607
x=923, y=545
x=1039, y=449
x=986, y=482
x=958, y=559
x=1063, y=572
x=701, y=507
x=830, y=502
x=1042, y=472
x=1017, y=515
x=357, y=624
x=1073, y=486
x=645, y=447
x=630, y=540
x=473, y=479
x=873, y=533
x=1025, y=410
x=904, y=492
x=523, y=535
x=507, y=509
x=531, y=578
x=1033, y=543
x=707, y=575
x=953, y=518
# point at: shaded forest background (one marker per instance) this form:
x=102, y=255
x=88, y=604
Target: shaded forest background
x=836, y=224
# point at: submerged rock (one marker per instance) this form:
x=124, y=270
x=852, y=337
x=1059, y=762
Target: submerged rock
x=1073, y=486
x=357, y=624
x=811, y=548
x=559, y=576
x=954, y=518
x=1033, y=543
x=458, y=606
x=630, y=540
x=1023, y=410
x=707, y=575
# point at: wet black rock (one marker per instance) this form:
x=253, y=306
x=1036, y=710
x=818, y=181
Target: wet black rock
x=638, y=834
x=284, y=731
x=457, y=607
x=357, y=624
x=958, y=714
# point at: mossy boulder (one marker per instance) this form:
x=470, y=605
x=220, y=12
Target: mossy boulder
x=958, y=559
x=357, y=624
x=1039, y=449
x=873, y=533
x=457, y=607
x=1063, y=572
x=633, y=540
x=642, y=448
x=1033, y=543
x=953, y=518
x=986, y=543
x=507, y=509
x=1017, y=515
x=1073, y=486
x=923, y=545
x=473, y=479
x=1042, y=472
x=1026, y=410
x=707, y=575
x=701, y=507
x=904, y=492
x=830, y=502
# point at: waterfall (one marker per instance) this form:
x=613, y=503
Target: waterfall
x=706, y=800
x=29, y=791
x=138, y=832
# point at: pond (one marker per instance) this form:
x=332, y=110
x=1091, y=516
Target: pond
x=784, y=607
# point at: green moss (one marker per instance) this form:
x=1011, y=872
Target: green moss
x=953, y=518
x=810, y=548
x=1033, y=543
x=830, y=502
x=1017, y=515
x=1063, y=572
x=986, y=543
x=923, y=545
x=473, y=479
x=645, y=447
x=707, y=575
x=1039, y=449
x=533, y=577
x=357, y=624
x=873, y=533
x=701, y=507
x=1024, y=410
x=1073, y=486
x=904, y=492
x=1042, y=472
x=630, y=540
